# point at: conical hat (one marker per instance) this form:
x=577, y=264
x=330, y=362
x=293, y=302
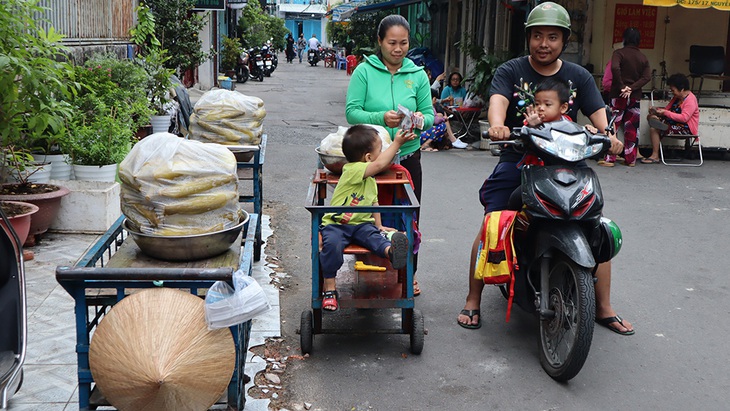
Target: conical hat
x=153, y=351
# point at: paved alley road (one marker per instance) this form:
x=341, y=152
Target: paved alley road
x=670, y=281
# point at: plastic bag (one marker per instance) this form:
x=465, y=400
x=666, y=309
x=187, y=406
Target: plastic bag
x=332, y=144
x=227, y=117
x=226, y=307
x=173, y=186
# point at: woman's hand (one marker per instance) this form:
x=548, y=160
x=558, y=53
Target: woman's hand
x=499, y=133
x=626, y=92
x=660, y=111
x=392, y=119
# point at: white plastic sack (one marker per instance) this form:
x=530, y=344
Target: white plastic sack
x=332, y=144
x=226, y=307
x=227, y=117
x=173, y=186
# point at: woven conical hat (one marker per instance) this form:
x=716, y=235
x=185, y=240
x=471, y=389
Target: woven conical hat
x=153, y=351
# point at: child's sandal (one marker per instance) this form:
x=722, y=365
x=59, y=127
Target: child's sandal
x=329, y=301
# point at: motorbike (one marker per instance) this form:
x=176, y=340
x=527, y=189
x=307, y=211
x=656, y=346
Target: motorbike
x=313, y=57
x=559, y=237
x=268, y=57
x=250, y=66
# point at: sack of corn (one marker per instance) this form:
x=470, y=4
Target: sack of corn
x=173, y=186
x=227, y=117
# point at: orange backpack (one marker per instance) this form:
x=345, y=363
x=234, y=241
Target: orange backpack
x=497, y=261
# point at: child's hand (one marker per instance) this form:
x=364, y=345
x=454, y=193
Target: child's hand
x=386, y=229
x=591, y=129
x=402, y=136
x=533, y=119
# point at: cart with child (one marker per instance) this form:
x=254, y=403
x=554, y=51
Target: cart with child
x=370, y=283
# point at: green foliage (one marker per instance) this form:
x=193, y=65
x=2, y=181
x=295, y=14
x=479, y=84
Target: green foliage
x=159, y=83
x=256, y=27
x=229, y=55
x=143, y=33
x=101, y=139
x=363, y=30
x=337, y=31
x=480, y=76
x=35, y=85
x=177, y=28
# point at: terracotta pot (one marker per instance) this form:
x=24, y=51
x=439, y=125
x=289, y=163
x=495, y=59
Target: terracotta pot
x=48, y=205
x=20, y=222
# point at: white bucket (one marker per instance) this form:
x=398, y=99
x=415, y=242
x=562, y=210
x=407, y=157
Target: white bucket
x=160, y=124
x=96, y=173
x=41, y=173
x=61, y=169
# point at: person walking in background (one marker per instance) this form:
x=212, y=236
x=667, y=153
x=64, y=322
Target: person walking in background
x=289, y=48
x=547, y=31
x=384, y=81
x=630, y=71
x=301, y=46
x=680, y=116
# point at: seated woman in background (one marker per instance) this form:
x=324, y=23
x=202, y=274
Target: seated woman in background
x=433, y=138
x=680, y=116
x=453, y=94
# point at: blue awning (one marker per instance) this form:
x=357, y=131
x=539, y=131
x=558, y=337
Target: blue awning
x=385, y=5
x=343, y=11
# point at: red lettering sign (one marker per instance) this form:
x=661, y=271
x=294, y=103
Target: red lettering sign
x=638, y=16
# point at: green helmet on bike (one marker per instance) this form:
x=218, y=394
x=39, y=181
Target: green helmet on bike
x=610, y=240
x=549, y=14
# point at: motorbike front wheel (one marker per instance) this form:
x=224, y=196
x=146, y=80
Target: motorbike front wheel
x=565, y=339
x=241, y=74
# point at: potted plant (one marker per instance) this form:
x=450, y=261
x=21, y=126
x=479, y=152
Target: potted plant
x=36, y=86
x=229, y=55
x=19, y=215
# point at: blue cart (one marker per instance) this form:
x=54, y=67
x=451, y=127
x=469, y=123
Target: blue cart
x=366, y=289
x=250, y=163
x=114, y=266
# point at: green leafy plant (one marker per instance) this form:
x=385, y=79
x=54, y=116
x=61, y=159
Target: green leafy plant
x=256, y=27
x=143, y=33
x=177, y=27
x=229, y=55
x=101, y=138
x=35, y=80
x=479, y=78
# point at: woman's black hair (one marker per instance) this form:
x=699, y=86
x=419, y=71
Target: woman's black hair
x=557, y=85
x=389, y=21
x=358, y=141
x=632, y=37
x=679, y=81
x=461, y=78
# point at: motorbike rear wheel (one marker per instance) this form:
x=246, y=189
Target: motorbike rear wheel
x=565, y=339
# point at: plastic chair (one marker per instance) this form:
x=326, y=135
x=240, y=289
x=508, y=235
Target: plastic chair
x=351, y=64
x=341, y=63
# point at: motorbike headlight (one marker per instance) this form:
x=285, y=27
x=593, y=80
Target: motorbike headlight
x=569, y=147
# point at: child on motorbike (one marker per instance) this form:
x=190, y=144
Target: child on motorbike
x=551, y=102
x=357, y=187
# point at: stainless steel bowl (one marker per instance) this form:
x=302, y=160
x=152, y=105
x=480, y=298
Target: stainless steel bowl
x=187, y=247
x=331, y=162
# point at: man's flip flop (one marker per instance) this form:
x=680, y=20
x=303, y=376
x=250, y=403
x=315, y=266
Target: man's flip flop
x=649, y=160
x=471, y=314
x=610, y=320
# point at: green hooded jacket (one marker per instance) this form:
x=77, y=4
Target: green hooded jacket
x=373, y=90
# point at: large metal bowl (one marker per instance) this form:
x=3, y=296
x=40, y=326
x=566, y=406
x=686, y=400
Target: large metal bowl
x=331, y=162
x=187, y=247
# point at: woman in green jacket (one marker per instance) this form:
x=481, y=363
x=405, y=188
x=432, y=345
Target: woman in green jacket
x=383, y=82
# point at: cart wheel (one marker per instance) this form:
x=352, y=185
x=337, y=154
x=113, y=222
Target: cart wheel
x=305, y=332
x=418, y=333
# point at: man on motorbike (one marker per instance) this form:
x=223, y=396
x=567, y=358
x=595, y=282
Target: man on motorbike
x=547, y=31
x=314, y=43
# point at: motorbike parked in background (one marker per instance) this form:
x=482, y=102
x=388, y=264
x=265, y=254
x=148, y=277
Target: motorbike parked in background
x=250, y=66
x=560, y=237
x=269, y=57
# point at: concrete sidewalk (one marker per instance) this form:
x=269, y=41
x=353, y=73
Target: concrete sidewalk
x=50, y=382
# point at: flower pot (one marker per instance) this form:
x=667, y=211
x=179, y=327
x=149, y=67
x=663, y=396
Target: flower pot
x=96, y=173
x=41, y=173
x=160, y=124
x=20, y=222
x=61, y=169
x=48, y=204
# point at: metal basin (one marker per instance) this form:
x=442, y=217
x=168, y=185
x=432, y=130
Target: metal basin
x=187, y=247
x=331, y=162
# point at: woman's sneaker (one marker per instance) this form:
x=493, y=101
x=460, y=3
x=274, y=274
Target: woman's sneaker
x=398, y=253
x=459, y=144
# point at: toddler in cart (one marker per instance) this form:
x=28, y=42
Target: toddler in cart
x=356, y=187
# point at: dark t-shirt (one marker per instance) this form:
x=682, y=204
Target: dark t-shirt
x=518, y=70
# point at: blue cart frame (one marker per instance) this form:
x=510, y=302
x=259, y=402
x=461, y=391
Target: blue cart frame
x=91, y=273
x=256, y=165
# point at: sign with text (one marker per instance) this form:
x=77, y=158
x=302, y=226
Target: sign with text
x=640, y=17
x=210, y=4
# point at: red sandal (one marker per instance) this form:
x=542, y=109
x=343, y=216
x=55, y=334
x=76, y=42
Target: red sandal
x=329, y=301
